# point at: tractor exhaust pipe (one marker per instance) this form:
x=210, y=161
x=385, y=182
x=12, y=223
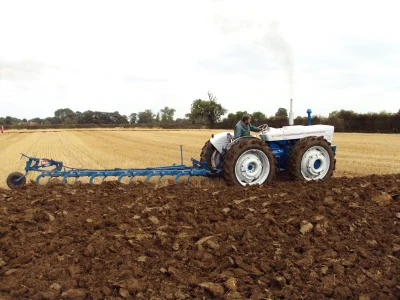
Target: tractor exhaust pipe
x=291, y=115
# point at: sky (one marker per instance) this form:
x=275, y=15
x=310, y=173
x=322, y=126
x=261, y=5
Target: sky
x=253, y=55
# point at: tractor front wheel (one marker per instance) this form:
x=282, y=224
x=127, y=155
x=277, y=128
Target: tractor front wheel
x=14, y=182
x=312, y=158
x=249, y=162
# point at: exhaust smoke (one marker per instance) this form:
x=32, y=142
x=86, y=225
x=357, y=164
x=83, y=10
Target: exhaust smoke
x=281, y=51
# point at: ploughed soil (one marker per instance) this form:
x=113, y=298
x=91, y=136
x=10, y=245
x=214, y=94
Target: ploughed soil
x=338, y=239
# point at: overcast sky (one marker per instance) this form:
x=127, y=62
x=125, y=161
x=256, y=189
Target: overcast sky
x=128, y=56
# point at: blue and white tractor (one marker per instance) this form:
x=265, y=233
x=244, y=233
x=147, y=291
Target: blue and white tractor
x=306, y=152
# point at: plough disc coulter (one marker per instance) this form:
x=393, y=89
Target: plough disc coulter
x=58, y=170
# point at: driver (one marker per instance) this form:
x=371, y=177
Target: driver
x=243, y=127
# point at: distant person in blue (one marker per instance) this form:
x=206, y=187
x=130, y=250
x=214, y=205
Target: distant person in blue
x=243, y=127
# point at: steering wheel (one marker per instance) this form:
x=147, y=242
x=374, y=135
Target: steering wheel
x=263, y=127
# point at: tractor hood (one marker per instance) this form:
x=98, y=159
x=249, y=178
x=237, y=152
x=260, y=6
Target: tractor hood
x=297, y=132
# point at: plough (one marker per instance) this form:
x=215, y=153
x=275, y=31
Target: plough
x=17, y=180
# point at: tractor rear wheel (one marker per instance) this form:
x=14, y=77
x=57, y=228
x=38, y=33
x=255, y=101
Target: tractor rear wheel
x=249, y=162
x=210, y=155
x=13, y=182
x=312, y=158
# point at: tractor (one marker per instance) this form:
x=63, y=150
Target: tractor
x=304, y=151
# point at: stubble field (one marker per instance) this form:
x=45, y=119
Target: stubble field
x=338, y=239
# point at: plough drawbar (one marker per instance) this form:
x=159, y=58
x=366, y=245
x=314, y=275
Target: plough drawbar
x=16, y=180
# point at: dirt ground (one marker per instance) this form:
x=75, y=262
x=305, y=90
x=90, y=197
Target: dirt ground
x=338, y=239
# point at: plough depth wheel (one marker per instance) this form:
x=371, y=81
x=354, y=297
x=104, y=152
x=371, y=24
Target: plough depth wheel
x=14, y=180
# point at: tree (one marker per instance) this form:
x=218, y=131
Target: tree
x=63, y=113
x=8, y=120
x=258, y=116
x=167, y=114
x=124, y=119
x=87, y=117
x=146, y=116
x=343, y=114
x=385, y=113
x=282, y=112
x=235, y=117
x=52, y=120
x=66, y=116
x=182, y=121
x=133, y=118
x=116, y=118
x=207, y=109
x=158, y=117
x=78, y=116
x=24, y=120
x=69, y=121
x=15, y=120
x=37, y=120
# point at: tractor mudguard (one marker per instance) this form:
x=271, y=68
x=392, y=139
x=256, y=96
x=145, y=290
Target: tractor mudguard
x=221, y=143
x=220, y=140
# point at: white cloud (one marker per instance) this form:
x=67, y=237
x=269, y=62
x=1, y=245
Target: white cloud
x=132, y=55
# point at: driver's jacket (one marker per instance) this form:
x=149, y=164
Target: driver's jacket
x=244, y=130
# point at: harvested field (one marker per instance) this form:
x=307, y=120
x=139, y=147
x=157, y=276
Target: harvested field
x=338, y=239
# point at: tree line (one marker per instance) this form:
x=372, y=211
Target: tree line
x=201, y=112
x=209, y=113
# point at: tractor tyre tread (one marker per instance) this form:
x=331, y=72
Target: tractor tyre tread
x=237, y=149
x=207, y=152
x=294, y=162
